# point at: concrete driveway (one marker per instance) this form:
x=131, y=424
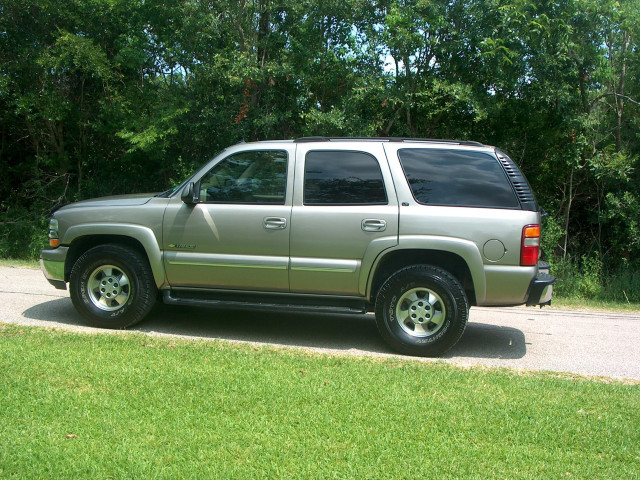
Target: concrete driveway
x=582, y=342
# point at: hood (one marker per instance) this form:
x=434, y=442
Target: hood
x=113, y=201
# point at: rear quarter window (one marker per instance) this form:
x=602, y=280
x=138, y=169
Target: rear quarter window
x=457, y=178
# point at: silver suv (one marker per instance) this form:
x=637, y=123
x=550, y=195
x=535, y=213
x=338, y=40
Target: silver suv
x=414, y=230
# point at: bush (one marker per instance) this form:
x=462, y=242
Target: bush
x=23, y=237
x=589, y=279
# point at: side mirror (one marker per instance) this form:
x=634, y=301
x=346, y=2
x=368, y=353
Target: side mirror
x=190, y=194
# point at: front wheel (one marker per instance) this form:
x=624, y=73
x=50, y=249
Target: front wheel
x=422, y=310
x=112, y=286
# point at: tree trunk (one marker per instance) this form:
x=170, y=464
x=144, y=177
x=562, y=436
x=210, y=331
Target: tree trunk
x=567, y=216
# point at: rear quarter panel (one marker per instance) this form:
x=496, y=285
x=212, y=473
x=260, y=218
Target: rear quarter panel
x=498, y=277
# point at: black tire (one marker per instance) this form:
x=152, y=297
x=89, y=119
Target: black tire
x=112, y=286
x=422, y=310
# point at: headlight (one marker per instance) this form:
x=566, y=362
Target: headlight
x=54, y=240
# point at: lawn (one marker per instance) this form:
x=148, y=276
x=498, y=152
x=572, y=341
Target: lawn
x=134, y=406
x=594, y=304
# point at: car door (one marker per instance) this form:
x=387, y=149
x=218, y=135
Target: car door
x=237, y=235
x=344, y=215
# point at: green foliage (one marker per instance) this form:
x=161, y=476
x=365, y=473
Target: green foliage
x=590, y=283
x=21, y=234
x=589, y=280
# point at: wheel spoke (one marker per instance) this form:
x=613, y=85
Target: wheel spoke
x=107, y=271
x=413, y=296
x=94, y=284
x=103, y=303
x=432, y=299
x=421, y=330
x=123, y=280
x=403, y=316
x=438, y=318
x=121, y=299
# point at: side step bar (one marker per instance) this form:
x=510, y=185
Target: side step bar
x=274, y=303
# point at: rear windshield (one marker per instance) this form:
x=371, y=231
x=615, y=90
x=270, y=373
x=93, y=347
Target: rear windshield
x=457, y=178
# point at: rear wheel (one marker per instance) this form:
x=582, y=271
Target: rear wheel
x=112, y=286
x=422, y=310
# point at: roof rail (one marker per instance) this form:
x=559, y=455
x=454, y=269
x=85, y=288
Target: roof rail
x=386, y=139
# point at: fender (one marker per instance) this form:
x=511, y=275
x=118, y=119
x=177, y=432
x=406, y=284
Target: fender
x=465, y=249
x=372, y=255
x=142, y=234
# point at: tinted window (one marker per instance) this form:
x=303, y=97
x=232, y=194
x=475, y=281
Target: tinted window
x=343, y=178
x=460, y=178
x=257, y=177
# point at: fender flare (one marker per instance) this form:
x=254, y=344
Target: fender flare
x=143, y=235
x=465, y=249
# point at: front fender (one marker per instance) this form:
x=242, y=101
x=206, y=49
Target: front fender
x=144, y=235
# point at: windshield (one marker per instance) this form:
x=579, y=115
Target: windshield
x=172, y=190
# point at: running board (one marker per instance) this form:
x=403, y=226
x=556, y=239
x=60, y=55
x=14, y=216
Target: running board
x=287, y=303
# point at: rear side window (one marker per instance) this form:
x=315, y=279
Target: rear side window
x=457, y=178
x=343, y=178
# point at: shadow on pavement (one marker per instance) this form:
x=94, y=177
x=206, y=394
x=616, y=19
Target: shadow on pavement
x=337, y=332
x=481, y=340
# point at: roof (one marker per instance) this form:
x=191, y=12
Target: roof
x=387, y=139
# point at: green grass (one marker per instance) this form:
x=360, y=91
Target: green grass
x=577, y=303
x=587, y=281
x=17, y=263
x=134, y=406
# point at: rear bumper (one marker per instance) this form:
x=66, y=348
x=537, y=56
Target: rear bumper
x=541, y=288
x=52, y=265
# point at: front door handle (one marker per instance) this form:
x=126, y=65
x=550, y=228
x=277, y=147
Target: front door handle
x=374, y=225
x=274, y=223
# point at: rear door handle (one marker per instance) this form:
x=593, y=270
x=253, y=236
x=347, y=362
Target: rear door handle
x=373, y=225
x=274, y=223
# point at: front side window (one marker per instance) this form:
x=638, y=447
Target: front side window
x=343, y=178
x=254, y=177
x=457, y=178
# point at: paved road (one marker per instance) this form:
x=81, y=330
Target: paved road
x=587, y=343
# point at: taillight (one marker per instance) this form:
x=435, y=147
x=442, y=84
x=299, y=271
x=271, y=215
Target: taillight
x=530, y=248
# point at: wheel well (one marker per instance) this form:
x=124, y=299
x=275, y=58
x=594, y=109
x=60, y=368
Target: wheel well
x=82, y=244
x=452, y=263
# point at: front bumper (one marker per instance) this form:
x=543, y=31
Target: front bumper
x=52, y=265
x=541, y=288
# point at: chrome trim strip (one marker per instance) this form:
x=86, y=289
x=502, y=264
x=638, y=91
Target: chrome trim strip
x=228, y=265
x=329, y=270
x=226, y=261
x=328, y=265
